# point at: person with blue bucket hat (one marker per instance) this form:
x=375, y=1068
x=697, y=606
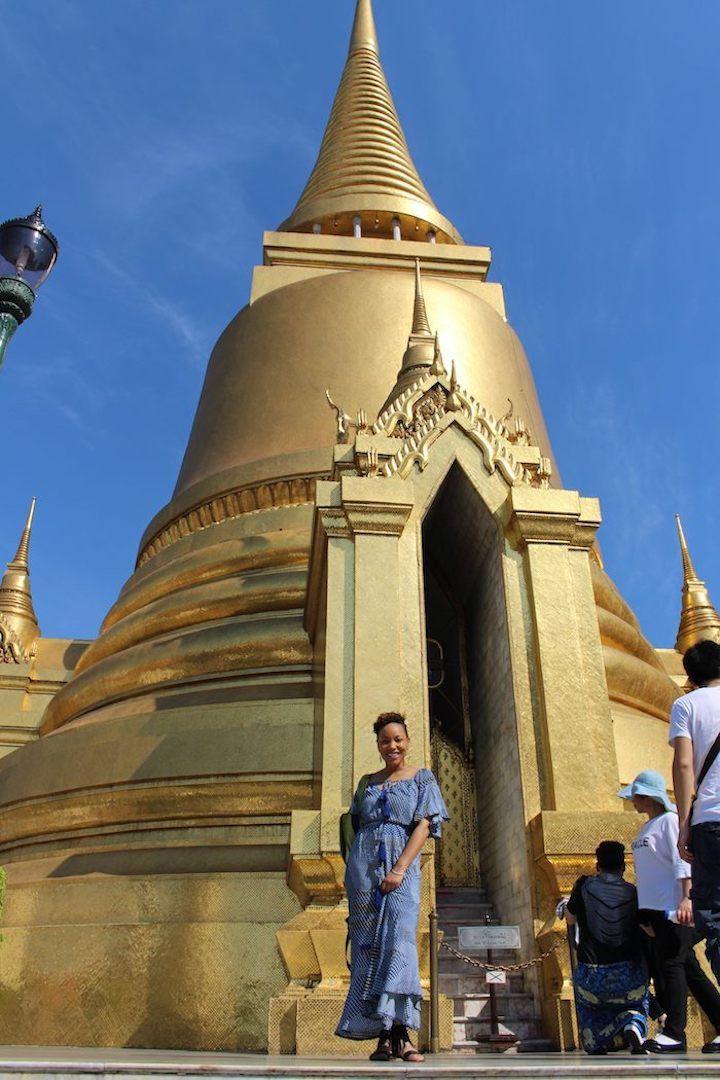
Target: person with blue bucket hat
x=663, y=884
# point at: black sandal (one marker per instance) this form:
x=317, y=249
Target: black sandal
x=383, y=1051
x=402, y=1045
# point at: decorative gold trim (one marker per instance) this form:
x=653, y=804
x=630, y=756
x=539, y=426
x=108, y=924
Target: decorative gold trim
x=136, y=806
x=268, y=495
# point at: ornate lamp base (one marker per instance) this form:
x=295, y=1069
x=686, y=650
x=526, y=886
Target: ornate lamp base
x=16, y=304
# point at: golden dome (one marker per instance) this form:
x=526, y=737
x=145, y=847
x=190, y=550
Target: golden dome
x=264, y=392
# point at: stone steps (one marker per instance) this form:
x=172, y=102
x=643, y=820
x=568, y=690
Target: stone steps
x=467, y=987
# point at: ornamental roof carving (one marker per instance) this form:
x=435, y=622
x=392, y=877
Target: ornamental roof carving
x=424, y=403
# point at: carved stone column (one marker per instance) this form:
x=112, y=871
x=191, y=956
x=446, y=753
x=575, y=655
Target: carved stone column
x=353, y=618
x=555, y=530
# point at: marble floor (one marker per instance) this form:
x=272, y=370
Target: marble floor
x=64, y=1063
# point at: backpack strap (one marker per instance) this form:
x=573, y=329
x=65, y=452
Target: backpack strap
x=707, y=764
x=359, y=796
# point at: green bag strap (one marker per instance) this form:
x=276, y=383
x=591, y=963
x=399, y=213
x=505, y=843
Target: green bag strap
x=363, y=786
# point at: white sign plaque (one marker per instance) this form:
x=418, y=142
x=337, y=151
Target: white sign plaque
x=477, y=938
x=495, y=978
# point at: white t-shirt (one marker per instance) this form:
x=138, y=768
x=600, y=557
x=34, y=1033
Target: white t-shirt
x=658, y=867
x=697, y=717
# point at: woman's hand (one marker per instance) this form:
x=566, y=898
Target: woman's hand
x=685, y=912
x=393, y=881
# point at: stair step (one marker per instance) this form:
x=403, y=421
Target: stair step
x=520, y=1006
x=466, y=984
x=469, y=914
x=465, y=1033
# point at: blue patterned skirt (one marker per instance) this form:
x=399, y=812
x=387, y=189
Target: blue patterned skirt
x=384, y=976
x=608, y=997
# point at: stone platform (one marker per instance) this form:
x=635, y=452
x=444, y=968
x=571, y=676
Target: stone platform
x=69, y=1063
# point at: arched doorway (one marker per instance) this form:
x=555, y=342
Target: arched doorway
x=469, y=679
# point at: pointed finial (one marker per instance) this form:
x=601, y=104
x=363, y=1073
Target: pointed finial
x=698, y=620
x=37, y=212
x=420, y=320
x=453, y=403
x=20, y=562
x=438, y=364
x=689, y=571
x=19, y=629
x=364, y=34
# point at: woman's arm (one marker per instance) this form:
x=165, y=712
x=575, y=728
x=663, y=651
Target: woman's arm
x=412, y=849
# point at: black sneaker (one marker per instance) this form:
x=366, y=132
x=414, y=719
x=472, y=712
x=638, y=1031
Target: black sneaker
x=633, y=1040
x=712, y=1047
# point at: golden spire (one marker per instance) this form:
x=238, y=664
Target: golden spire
x=699, y=619
x=19, y=628
x=364, y=34
x=422, y=354
x=364, y=176
x=420, y=320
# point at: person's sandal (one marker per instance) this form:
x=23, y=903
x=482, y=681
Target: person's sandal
x=384, y=1048
x=403, y=1047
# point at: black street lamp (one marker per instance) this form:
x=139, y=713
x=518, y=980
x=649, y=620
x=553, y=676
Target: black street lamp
x=28, y=251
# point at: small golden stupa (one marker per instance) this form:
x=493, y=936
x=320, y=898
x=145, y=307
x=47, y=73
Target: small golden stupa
x=170, y=837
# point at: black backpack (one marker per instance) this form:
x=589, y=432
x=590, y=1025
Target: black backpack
x=611, y=910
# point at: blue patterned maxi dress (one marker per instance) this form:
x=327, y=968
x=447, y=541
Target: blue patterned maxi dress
x=384, y=976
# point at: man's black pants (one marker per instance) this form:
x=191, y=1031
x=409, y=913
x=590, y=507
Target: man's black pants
x=705, y=841
x=675, y=970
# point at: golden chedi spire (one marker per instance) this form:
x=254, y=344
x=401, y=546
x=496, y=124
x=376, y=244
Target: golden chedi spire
x=364, y=180
x=19, y=628
x=423, y=349
x=699, y=619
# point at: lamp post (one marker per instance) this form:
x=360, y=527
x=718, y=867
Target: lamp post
x=28, y=251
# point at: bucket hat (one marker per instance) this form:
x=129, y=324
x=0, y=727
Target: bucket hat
x=650, y=783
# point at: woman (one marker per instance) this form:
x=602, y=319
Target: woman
x=400, y=807
x=663, y=883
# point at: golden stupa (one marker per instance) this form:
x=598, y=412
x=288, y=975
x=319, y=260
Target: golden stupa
x=170, y=835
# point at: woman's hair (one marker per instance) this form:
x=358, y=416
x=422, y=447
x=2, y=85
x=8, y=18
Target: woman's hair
x=389, y=718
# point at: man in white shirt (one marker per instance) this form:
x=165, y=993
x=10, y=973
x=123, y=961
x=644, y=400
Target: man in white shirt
x=694, y=729
x=663, y=885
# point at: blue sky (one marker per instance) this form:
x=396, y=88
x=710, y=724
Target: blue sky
x=579, y=140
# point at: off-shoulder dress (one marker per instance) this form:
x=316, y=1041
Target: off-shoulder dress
x=384, y=976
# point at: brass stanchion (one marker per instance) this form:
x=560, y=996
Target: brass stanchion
x=434, y=985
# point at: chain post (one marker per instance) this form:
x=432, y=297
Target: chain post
x=434, y=984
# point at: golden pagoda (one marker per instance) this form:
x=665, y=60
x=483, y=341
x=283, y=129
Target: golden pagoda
x=698, y=620
x=170, y=838
x=19, y=630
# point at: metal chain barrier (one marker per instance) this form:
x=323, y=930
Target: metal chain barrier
x=486, y=966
